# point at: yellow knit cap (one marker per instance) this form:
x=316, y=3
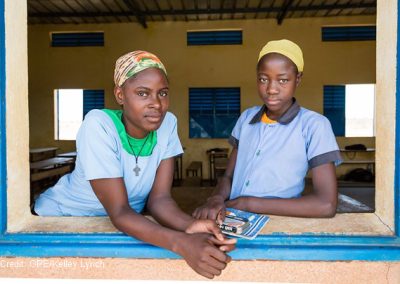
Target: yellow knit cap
x=286, y=48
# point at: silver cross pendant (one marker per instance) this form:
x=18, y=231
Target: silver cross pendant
x=136, y=170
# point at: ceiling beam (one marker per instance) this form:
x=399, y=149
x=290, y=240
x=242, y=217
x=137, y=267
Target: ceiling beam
x=135, y=9
x=143, y=14
x=284, y=9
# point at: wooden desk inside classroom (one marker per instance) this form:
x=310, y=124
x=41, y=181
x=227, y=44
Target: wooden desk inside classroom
x=67, y=155
x=38, y=154
x=45, y=173
x=218, y=159
x=50, y=163
x=350, y=157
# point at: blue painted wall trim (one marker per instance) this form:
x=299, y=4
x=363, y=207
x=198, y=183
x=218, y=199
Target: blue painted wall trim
x=397, y=140
x=3, y=167
x=276, y=246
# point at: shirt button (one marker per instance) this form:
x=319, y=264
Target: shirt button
x=258, y=153
x=247, y=183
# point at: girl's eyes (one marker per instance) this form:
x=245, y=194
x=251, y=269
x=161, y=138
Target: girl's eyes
x=163, y=94
x=145, y=94
x=281, y=81
x=142, y=94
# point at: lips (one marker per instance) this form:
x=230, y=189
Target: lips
x=272, y=102
x=154, y=117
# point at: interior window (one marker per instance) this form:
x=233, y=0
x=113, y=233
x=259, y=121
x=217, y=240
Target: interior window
x=71, y=106
x=360, y=110
x=351, y=109
x=68, y=113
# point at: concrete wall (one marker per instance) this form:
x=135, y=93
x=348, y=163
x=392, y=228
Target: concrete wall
x=191, y=66
x=237, y=271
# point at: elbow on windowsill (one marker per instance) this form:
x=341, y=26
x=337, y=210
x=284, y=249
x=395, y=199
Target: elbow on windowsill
x=119, y=218
x=328, y=210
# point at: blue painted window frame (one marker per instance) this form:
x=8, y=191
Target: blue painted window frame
x=275, y=246
x=214, y=110
x=217, y=37
x=348, y=33
x=77, y=39
x=92, y=99
x=335, y=107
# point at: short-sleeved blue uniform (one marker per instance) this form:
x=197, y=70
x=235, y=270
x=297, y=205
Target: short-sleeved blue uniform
x=273, y=159
x=100, y=154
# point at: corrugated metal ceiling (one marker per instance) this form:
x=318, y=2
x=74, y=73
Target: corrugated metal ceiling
x=143, y=11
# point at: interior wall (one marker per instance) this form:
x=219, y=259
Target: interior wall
x=191, y=66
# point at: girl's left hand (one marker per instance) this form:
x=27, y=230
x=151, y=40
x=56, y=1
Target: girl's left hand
x=211, y=227
x=238, y=203
x=205, y=226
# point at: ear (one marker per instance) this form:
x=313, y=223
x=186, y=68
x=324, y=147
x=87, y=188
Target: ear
x=298, y=78
x=119, y=95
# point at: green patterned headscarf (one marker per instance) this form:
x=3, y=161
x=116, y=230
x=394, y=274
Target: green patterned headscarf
x=132, y=63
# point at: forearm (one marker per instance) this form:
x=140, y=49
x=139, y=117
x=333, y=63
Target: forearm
x=167, y=212
x=223, y=188
x=305, y=206
x=138, y=226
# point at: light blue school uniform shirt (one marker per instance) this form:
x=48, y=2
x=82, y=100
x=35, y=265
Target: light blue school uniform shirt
x=100, y=154
x=273, y=159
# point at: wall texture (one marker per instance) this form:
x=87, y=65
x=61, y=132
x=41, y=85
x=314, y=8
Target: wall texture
x=238, y=271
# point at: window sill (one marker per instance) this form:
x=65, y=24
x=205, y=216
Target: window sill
x=365, y=224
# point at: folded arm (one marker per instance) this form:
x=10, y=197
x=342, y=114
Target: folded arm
x=201, y=250
x=321, y=203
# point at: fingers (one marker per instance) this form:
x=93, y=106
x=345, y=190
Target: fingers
x=215, y=266
x=212, y=267
x=225, y=241
x=211, y=263
x=204, y=213
x=210, y=212
x=227, y=248
x=195, y=213
x=204, y=273
x=219, y=255
x=221, y=216
x=226, y=245
x=208, y=271
x=215, y=230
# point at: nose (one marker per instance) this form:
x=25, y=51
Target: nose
x=155, y=101
x=272, y=88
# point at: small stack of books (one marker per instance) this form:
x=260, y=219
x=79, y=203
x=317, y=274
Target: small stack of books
x=243, y=224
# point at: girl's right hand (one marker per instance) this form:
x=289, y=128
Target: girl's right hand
x=201, y=254
x=210, y=227
x=213, y=209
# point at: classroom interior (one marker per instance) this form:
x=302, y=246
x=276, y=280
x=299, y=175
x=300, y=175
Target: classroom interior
x=189, y=67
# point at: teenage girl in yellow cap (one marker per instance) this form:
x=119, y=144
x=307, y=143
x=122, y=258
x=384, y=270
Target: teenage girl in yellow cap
x=275, y=145
x=125, y=158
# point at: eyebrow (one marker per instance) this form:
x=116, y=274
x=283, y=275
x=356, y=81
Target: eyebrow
x=148, y=89
x=282, y=74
